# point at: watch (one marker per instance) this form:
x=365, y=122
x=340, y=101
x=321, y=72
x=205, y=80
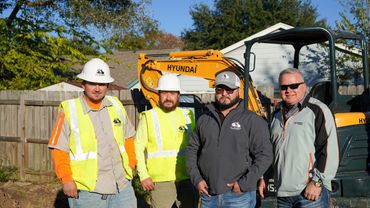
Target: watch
x=317, y=183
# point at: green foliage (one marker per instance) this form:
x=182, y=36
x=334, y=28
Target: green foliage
x=40, y=41
x=7, y=173
x=357, y=18
x=233, y=20
x=139, y=191
x=31, y=58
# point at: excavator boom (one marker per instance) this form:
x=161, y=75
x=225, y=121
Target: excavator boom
x=202, y=63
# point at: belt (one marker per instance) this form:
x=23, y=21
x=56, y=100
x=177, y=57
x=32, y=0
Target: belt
x=105, y=196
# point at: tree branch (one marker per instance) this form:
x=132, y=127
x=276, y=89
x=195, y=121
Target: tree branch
x=14, y=13
x=19, y=4
x=39, y=3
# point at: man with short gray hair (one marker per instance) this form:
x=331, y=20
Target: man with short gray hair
x=305, y=142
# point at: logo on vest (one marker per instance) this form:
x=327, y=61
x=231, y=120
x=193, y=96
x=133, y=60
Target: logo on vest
x=235, y=126
x=117, y=122
x=183, y=128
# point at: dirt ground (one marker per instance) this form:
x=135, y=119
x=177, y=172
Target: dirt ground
x=32, y=195
x=29, y=195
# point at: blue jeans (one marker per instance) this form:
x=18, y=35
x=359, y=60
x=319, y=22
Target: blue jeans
x=125, y=198
x=300, y=201
x=229, y=200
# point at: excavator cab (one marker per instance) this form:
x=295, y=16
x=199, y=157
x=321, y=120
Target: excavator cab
x=336, y=63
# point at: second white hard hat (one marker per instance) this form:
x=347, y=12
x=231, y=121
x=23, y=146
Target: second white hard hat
x=97, y=71
x=169, y=82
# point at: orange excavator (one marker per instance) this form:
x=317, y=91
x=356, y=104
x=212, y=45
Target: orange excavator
x=203, y=63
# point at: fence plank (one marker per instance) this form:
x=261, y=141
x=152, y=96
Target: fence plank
x=21, y=133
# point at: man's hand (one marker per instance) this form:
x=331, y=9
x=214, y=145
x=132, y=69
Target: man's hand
x=261, y=187
x=234, y=187
x=312, y=192
x=203, y=187
x=70, y=189
x=147, y=184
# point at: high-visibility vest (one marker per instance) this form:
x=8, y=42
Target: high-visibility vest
x=83, y=144
x=166, y=144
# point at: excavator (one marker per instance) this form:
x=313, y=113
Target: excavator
x=202, y=63
x=350, y=108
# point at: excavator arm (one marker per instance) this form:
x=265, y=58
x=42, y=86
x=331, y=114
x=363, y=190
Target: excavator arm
x=203, y=63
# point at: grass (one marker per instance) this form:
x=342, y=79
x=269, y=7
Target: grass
x=7, y=173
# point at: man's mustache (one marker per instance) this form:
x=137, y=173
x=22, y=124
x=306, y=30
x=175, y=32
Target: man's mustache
x=170, y=101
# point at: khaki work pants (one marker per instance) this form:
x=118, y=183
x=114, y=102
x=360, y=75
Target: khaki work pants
x=181, y=194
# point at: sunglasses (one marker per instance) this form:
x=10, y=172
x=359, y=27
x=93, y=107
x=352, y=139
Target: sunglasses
x=220, y=90
x=291, y=86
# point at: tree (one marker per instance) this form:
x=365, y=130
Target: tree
x=41, y=40
x=233, y=20
x=356, y=18
x=148, y=41
x=359, y=16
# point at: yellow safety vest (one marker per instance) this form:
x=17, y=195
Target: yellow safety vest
x=83, y=144
x=166, y=144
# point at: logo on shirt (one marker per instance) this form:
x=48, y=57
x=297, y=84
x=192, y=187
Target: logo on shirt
x=183, y=128
x=235, y=126
x=298, y=123
x=117, y=122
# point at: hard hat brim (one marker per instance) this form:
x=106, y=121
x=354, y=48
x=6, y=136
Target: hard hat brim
x=93, y=79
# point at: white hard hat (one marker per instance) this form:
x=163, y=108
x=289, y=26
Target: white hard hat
x=97, y=71
x=169, y=82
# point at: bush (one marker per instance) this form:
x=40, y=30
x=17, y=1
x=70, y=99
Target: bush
x=139, y=191
x=7, y=173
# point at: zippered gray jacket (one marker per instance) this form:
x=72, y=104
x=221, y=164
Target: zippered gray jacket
x=238, y=150
x=305, y=146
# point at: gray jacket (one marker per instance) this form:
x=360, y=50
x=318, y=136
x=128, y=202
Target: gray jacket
x=238, y=150
x=305, y=146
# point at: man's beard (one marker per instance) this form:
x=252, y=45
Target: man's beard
x=221, y=106
x=168, y=109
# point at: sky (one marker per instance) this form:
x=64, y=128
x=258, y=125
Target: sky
x=174, y=17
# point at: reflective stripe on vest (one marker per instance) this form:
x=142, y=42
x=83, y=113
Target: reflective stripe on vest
x=79, y=155
x=188, y=123
x=158, y=137
x=120, y=114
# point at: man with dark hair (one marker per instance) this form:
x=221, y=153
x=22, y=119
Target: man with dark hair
x=92, y=144
x=229, y=149
x=160, y=147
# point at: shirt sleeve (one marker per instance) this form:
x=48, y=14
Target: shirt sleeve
x=62, y=165
x=260, y=149
x=192, y=152
x=59, y=138
x=141, y=141
x=326, y=146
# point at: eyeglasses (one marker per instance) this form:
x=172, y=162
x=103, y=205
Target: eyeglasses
x=291, y=86
x=220, y=90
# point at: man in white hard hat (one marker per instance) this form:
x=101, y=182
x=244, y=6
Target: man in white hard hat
x=160, y=148
x=92, y=144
